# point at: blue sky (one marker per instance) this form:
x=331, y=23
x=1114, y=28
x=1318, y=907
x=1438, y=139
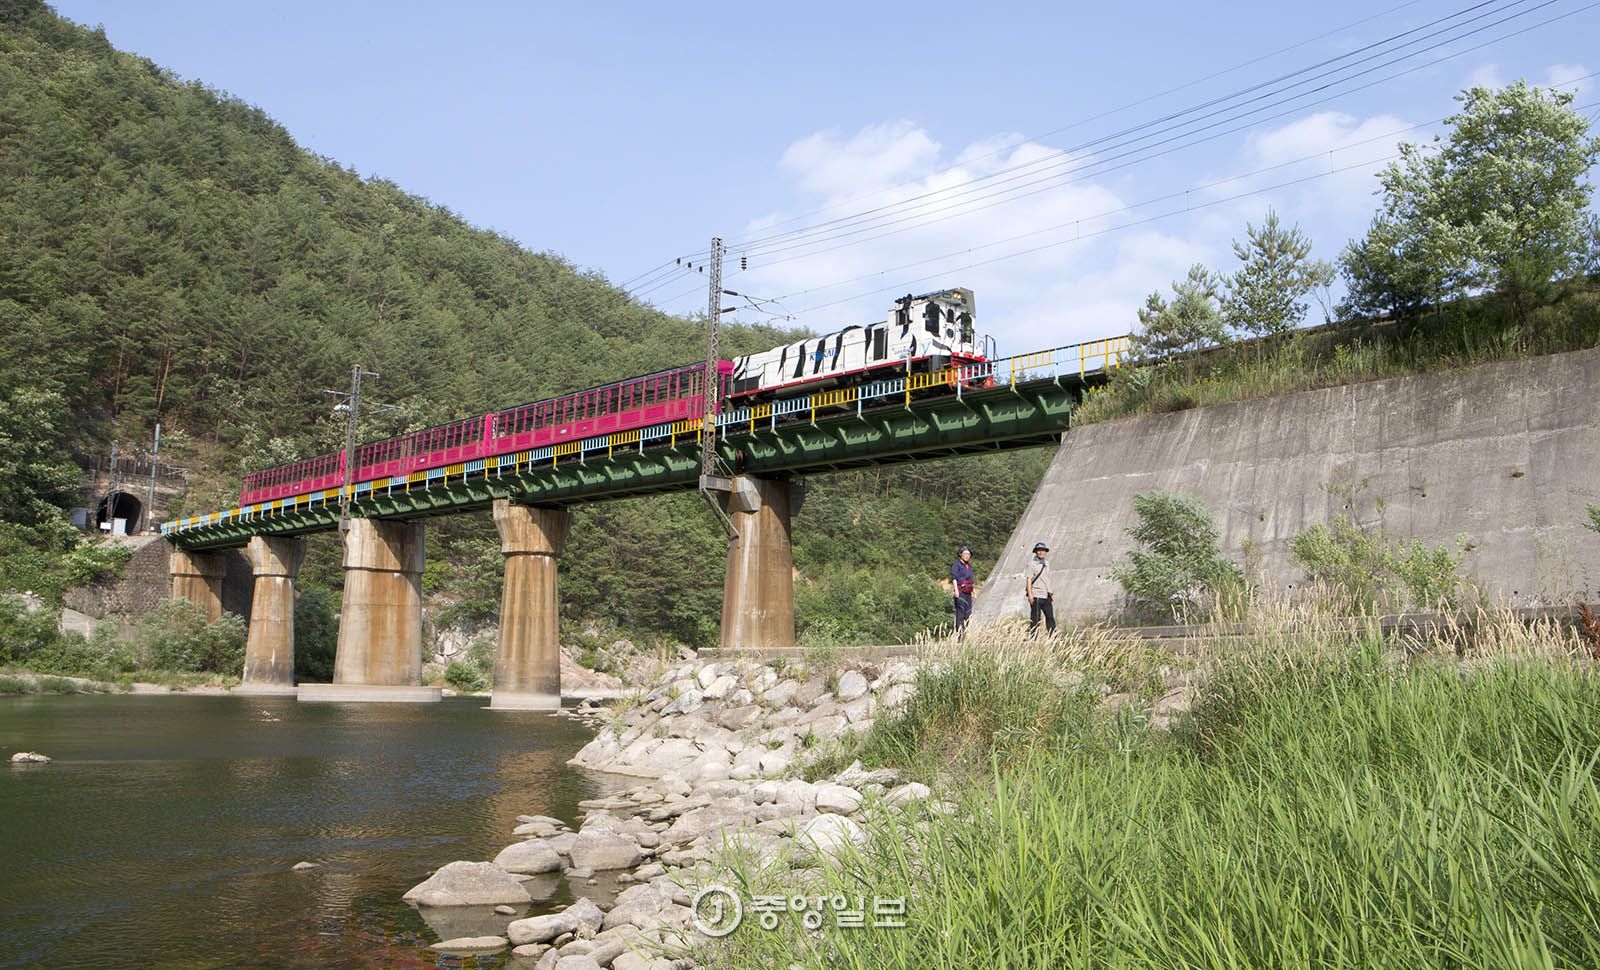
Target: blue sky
x=623, y=136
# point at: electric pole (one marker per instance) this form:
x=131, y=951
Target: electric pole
x=352, y=406
x=713, y=478
x=150, y=496
x=708, y=427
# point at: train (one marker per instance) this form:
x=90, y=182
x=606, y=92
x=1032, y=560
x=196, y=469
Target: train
x=924, y=333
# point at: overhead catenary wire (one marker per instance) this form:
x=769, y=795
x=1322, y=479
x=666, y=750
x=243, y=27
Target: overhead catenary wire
x=1386, y=79
x=1103, y=166
x=1111, y=111
x=1348, y=59
x=1129, y=148
x=1189, y=206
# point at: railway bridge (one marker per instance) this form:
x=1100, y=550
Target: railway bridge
x=1014, y=402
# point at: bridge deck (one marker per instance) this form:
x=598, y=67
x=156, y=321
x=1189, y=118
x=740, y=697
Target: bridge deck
x=907, y=419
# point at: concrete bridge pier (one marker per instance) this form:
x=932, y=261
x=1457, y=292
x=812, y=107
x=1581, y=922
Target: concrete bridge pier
x=380, y=628
x=758, y=593
x=527, y=667
x=197, y=577
x=269, y=648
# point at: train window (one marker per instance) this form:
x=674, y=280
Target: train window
x=930, y=317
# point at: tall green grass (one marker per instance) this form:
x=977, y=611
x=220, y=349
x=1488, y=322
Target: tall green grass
x=1329, y=801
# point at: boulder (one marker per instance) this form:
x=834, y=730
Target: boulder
x=532, y=856
x=851, y=685
x=588, y=916
x=837, y=799
x=582, y=918
x=605, y=850
x=638, y=906
x=581, y=961
x=469, y=884
x=720, y=688
x=780, y=694
x=830, y=834
x=608, y=951
x=896, y=696
x=913, y=791
x=470, y=943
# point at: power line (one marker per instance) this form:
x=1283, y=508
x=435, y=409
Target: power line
x=1131, y=145
x=1219, y=134
x=1188, y=207
x=1113, y=111
x=1100, y=167
x=1117, y=139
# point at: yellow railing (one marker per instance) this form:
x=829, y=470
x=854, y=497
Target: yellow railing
x=1024, y=363
x=684, y=427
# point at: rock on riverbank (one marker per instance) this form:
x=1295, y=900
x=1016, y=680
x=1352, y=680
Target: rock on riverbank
x=714, y=740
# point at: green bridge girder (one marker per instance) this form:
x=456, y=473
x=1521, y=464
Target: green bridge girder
x=1028, y=414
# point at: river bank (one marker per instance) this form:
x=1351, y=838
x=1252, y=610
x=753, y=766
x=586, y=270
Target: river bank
x=712, y=747
x=1009, y=785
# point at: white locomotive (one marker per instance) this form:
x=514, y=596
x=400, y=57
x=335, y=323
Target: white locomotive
x=922, y=333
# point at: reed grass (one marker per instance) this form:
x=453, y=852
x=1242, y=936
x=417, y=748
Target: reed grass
x=1330, y=800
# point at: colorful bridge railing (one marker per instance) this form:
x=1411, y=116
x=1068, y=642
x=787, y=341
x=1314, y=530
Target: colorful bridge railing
x=1074, y=360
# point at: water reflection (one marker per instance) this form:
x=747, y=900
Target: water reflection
x=164, y=832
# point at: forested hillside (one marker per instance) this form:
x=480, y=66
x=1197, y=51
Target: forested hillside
x=168, y=253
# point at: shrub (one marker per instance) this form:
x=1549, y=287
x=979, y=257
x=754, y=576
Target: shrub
x=51, y=556
x=465, y=677
x=1179, y=566
x=1365, y=570
x=883, y=604
x=177, y=637
x=316, y=636
x=24, y=633
x=102, y=657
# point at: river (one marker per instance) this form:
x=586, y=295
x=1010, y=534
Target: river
x=165, y=831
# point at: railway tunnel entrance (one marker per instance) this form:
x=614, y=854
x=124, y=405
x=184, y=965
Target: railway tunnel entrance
x=119, y=513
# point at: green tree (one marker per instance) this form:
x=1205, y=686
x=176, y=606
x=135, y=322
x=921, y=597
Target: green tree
x=1177, y=565
x=1266, y=296
x=1190, y=321
x=1499, y=206
x=37, y=475
x=316, y=636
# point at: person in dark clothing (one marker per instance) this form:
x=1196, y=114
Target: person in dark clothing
x=961, y=576
x=1041, y=601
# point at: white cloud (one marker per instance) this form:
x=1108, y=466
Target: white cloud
x=1570, y=77
x=952, y=219
x=1052, y=258
x=874, y=158
x=1485, y=76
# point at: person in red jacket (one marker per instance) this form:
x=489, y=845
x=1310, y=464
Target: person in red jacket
x=961, y=576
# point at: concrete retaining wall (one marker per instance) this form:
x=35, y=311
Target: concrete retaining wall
x=1505, y=455
x=145, y=584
